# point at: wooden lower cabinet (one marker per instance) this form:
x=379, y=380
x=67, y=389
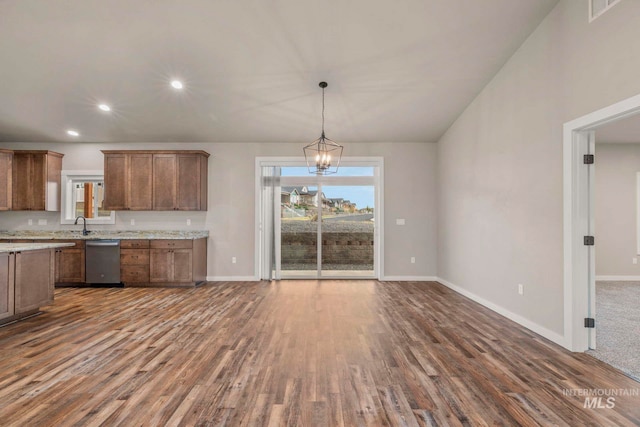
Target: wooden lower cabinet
x=26, y=282
x=171, y=265
x=34, y=274
x=177, y=261
x=70, y=263
x=7, y=289
x=134, y=262
x=173, y=262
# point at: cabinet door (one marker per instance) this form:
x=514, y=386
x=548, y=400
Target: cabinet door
x=52, y=190
x=115, y=181
x=56, y=273
x=182, y=265
x=164, y=182
x=71, y=265
x=37, y=181
x=161, y=265
x=33, y=279
x=6, y=285
x=20, y=176
x=139, y=184
x=188, y=176
x=6, y=167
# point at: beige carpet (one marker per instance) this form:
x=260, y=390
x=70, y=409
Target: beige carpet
x=618, y=326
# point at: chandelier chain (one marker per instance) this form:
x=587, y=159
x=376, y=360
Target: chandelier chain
x=322, y=111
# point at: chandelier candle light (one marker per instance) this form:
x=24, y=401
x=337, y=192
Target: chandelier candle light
x=322, y=152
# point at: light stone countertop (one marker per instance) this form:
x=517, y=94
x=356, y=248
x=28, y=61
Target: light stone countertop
x=104, y=234
x=22, y=247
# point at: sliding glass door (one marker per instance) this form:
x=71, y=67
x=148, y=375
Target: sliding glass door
x=298, y=231
x=347, y=231
x=323, y=226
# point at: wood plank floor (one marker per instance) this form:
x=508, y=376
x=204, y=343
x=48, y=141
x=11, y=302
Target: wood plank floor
x=298, y=353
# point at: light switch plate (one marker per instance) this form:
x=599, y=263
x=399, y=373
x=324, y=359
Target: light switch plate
x=400, y=221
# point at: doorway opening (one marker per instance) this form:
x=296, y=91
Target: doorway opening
x=315, y=226
x=617, y=271
x=580, y=321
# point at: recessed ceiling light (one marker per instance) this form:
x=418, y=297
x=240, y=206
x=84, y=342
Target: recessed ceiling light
x=104, y=107
x=73, y=132
x=176, y=84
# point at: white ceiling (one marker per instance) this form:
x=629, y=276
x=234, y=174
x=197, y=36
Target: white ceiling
x=398, y=70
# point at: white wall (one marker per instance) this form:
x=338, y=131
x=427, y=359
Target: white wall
x=410, y=193
x=500, y=163
x=615, y=210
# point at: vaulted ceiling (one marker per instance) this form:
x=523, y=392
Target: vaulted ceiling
x=397, y=70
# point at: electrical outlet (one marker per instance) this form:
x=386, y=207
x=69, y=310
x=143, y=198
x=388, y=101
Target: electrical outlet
x=400, y=221
x=520, y=288
x=233, y=260
x=30, y=221
x=634, y=260
x=413, y=260
x=188, y=221
x=42, y=222
x=133, y=221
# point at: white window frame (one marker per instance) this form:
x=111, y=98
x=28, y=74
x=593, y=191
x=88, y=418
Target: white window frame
x=67, y=211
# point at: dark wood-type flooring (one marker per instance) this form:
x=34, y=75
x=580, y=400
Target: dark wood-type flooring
x=299, y=353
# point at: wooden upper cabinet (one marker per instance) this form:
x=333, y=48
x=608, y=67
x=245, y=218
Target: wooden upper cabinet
x=6, y=168
x=191, y=178
x=139, y=183
x=115, y=181
x=156, y=180
x=36, y=180
x=127, y=181
x=164, y=182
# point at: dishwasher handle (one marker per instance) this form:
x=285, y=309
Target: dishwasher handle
x=103, y=243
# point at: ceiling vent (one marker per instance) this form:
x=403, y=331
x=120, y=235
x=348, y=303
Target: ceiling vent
x=599, y=7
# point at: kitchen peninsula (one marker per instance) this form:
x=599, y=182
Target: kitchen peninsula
x=26, y=278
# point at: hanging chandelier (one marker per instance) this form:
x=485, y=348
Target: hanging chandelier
x=323, y=155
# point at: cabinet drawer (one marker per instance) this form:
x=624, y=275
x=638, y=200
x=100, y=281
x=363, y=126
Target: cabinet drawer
x=171, y=244
x=134, y=257
x=134, y=273
x=134, y=244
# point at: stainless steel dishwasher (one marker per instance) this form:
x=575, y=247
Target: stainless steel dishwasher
x=102, y=261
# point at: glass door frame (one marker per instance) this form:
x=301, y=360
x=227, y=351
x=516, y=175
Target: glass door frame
x=268, y=222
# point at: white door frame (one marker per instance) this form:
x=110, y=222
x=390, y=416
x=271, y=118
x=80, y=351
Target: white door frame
x=579, y=266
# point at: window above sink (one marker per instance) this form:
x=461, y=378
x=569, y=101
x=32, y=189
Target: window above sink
x=83, y=195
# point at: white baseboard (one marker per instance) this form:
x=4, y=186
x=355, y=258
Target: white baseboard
x=540, y=330
x=408, y=279
x=619, y=278
x=233, y=279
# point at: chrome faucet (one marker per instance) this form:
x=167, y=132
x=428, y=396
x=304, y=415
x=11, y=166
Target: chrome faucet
x=84, y=225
